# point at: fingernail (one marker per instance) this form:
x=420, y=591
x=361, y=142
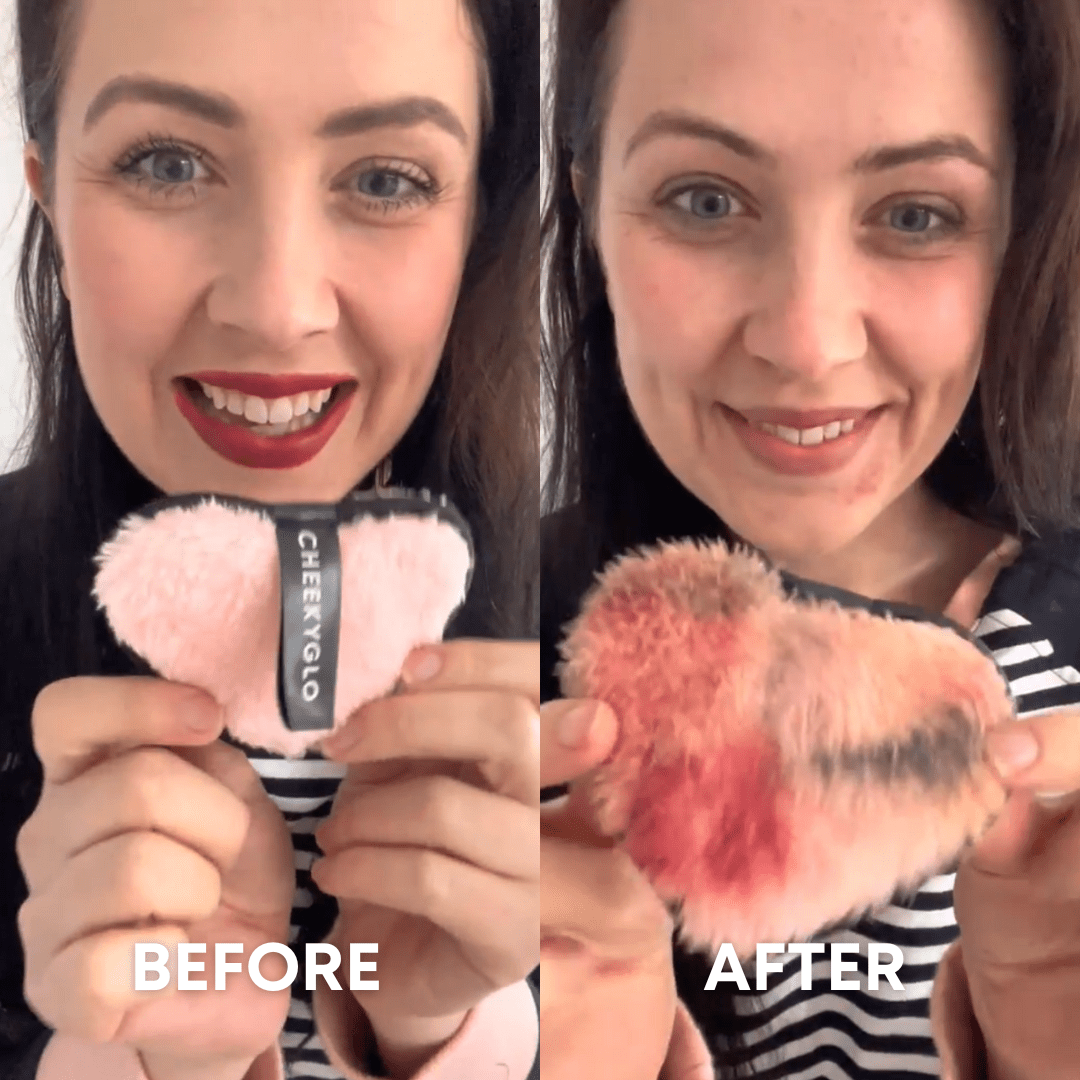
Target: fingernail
x=201, y=712
x=1011, y=751
x=573, y=728
x=422, y=664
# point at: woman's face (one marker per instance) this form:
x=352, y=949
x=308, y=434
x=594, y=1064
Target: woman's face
x=801, y=210
x=272, y=199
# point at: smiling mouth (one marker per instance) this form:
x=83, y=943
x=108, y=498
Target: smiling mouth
x=268, y=417
x=814, y=436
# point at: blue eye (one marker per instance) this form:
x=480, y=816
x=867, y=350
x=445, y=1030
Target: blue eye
x=912, y=218
x=171, y=174
x=383, y=184
x=393, y=188
x=172, y=169
x=706, y=204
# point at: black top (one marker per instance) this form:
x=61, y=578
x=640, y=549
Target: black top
x=1030, y=624
x=89, y=648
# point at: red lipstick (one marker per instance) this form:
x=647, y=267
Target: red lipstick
x=242, y=446
x=268, y=387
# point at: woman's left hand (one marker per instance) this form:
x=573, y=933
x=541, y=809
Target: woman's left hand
x=433, y=844
x=1017, y=901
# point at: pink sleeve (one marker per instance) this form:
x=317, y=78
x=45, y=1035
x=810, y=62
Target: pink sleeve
x=497, y=1041
x=65, y=1057
x=688, y=1056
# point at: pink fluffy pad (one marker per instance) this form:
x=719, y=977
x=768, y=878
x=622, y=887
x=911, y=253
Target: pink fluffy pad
x=782, y=764
x=196, y=592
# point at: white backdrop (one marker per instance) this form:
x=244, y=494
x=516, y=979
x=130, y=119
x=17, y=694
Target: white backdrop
x=14, y=202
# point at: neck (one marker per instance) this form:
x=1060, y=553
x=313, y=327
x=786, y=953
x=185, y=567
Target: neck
x=917, y=551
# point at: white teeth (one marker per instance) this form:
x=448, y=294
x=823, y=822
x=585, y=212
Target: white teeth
x=276, y=417
x=297, y=423
x=809, y=436
x=256, y=410
x=281, y=411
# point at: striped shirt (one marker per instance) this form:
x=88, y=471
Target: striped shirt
x=303, y=790
x=884, y=1034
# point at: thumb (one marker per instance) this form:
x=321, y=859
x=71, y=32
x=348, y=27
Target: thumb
x=575, y=736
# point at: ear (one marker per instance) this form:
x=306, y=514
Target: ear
x=34, y=171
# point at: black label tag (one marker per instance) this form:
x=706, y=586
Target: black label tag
x=310, y=615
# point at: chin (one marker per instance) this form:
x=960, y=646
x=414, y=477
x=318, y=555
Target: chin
x=310, y=483
x=789, y=538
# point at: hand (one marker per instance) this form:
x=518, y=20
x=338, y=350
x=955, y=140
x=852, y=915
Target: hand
x=1017, y=900
x=432, y=845
x=607, y=984
x=157, y=833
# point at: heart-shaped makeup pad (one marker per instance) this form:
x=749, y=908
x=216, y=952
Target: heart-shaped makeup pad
x=784, y=762
x=193, y=586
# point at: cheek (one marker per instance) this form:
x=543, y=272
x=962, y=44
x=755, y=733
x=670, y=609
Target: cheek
x=938, y=351
x=671, y=303
x=132, y=287
x=402, y=288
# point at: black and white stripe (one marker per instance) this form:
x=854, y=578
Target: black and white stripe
x=884, y=1034
x=303, y=790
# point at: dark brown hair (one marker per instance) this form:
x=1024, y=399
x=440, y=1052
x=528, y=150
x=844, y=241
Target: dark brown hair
x=476, y=436
x=1015, y=459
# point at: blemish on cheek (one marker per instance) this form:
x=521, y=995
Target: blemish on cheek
x=869, y=482
x=615, y=969
x=719, y=821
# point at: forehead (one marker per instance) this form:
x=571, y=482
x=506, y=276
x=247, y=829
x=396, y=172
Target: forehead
x=292, y=58
x=796, y=74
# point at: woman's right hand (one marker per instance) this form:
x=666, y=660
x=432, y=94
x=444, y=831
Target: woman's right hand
x=151, y=830
x=607, y=984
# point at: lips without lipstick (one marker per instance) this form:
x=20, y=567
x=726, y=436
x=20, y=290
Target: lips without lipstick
x=240, y=445
x=789, y=460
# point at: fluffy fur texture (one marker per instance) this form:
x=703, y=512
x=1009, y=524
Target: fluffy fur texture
x=196, y=592
x=782, y=764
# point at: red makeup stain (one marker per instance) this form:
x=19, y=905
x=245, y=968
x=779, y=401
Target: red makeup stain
x=719, y=821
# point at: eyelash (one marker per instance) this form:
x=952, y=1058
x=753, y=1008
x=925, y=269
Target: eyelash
x=950, y=223
x=425, y=188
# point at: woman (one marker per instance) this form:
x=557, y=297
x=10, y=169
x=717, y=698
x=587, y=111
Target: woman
x=326, y=210
x=815, y=288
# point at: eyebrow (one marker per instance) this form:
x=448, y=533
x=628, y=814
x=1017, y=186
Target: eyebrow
x=218, y=109
x=876, y=160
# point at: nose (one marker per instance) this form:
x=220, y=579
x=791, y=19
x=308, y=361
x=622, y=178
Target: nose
x=274, y=280
x=807, y=314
